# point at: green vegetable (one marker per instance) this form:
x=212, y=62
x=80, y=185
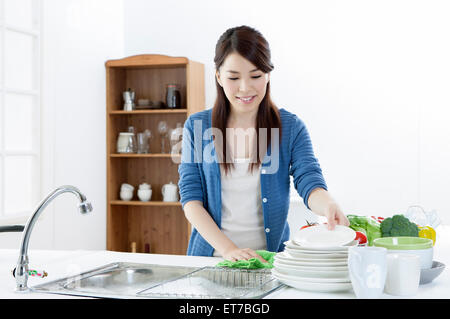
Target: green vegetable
x=367, y=225
x=398, y=225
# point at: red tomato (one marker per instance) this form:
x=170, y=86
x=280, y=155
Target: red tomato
x=308, y=224
x=361, y=237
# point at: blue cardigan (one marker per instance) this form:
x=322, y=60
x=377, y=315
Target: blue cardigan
x=199, y=176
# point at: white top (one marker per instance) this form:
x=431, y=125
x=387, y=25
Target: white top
x=242, y=217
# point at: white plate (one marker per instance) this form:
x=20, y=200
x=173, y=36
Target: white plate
x=316, y=273
x=304, y=262
x=307, y=255
x=313, y=286
x=320, y=237
x=318, y=250
x=309, y=267
x=279, y=272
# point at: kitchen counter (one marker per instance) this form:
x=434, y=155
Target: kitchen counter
x=59, y=264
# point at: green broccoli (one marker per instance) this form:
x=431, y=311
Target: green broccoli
x=398, y=225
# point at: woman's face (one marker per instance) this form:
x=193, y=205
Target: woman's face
x=243, y=83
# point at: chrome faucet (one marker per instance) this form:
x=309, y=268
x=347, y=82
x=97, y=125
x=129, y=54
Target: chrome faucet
x=21, y=271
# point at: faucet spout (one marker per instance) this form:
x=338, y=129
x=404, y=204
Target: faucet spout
x=21, y=272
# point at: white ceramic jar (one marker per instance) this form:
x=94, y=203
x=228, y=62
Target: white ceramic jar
x=144, y=192
x=126, y=142
x=170, y=192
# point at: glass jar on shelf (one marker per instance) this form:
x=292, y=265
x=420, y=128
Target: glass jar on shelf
x=173, y=96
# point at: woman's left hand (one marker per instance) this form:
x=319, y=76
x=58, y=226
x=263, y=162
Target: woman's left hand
x=335, y=216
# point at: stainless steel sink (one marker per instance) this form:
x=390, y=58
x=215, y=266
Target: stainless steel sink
x=133, y=280
x=115, y=280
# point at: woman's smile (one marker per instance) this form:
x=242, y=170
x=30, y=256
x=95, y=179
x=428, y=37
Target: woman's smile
x=246, y=99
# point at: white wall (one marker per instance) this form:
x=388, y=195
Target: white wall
x=370, y=79
x=78, y=37
x=82, y=35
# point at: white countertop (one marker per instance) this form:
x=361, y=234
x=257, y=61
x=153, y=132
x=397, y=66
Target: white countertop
x=59, y=264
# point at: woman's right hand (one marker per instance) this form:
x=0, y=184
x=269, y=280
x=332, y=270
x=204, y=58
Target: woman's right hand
x=236, y=254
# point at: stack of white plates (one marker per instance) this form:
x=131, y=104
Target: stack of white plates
x=315, y=259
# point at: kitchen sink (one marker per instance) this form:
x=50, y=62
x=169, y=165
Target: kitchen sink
x=115, y=280
x=133, y=280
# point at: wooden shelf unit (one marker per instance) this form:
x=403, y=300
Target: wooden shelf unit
x=155, y=111
x=133, y=155
x=149, y=203
x=161, y=225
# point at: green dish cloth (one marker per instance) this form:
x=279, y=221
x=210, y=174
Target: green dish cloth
x=252, y=263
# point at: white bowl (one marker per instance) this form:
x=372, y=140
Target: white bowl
x=428, y=275
x=423, y=247
x=126, y=195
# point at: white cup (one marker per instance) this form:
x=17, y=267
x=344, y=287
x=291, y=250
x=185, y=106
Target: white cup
x=367, y=270
x=144, y=194
x=403, y=274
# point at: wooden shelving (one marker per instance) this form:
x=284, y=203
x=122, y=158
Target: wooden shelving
x=150, y=155
x=159, y=224
x=149, y=203
x=154, y=111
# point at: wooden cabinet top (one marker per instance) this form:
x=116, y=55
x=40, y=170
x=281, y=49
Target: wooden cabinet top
x=148, y=60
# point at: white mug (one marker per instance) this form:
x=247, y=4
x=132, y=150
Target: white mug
x=403, y=274
x=367, y=270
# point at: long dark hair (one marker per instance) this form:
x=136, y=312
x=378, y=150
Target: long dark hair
x=250, y=44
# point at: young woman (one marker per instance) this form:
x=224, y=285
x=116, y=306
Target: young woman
x=237, y=159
